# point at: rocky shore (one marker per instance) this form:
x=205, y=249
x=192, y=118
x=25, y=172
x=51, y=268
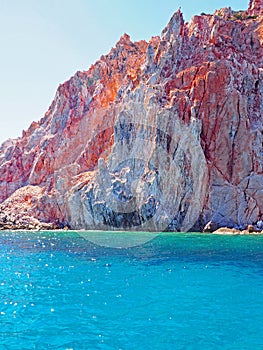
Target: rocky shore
x=233, y=231
x=249, y=230
x=212, y=227
x=16, y=216
x=26, y=223
x=10, y=223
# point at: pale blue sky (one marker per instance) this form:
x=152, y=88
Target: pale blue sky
x=44, y=42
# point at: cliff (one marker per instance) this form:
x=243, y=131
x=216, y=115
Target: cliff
x=157, y=135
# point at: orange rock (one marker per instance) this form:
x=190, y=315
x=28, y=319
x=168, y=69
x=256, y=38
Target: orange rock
x=198, y=86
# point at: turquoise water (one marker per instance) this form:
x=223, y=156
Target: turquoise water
x=177, y=291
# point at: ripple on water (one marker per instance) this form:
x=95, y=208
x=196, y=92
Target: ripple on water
x=59, y=291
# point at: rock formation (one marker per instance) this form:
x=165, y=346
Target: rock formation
x=157, y=135
x=255, y=7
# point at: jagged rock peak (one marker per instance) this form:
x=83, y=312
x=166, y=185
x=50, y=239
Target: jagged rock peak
x=124, y=40
x=255, y=6
x=174, y=27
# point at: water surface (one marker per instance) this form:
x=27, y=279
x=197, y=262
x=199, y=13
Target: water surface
x=177, y=291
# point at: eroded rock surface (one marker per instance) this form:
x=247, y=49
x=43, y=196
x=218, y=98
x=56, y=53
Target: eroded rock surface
x=157, y=135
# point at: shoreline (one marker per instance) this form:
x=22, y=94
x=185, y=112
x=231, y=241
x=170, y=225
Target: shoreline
x=11, y=223
x=221, y=231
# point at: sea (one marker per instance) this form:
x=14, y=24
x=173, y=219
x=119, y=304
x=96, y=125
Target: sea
x=130, y=291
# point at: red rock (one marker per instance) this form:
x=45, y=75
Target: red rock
x=195, y=94
x=255, y=7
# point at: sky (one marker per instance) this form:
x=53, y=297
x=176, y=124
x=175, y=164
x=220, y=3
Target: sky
x=44, y=42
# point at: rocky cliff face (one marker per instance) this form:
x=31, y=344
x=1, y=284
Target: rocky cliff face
x=157, y=135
